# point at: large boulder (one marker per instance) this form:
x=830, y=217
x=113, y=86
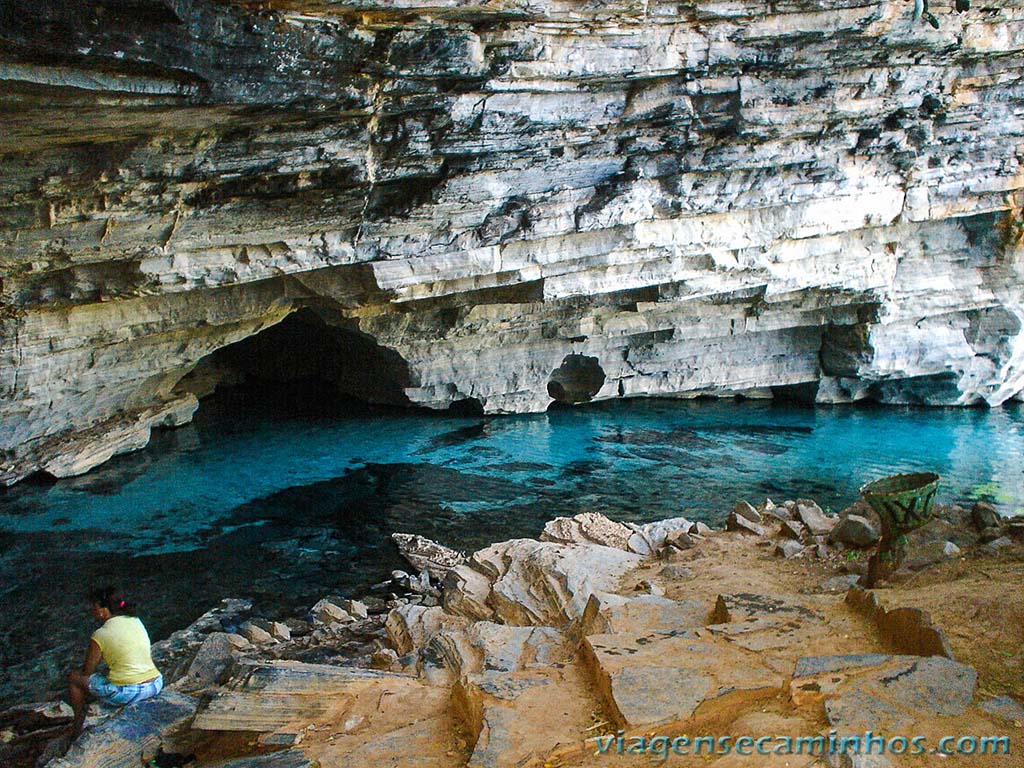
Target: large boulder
x=587, y=528
x=745, y=510
x=175, y=655
x=330, y=613
x=742, y=524
x=817, y=522
x=466, y=592
x=854, y=531
x=214, y=660
x=529, y=582
x=549, y=584
x=410, y=627
x=650, y=537
x=132, y=737
x=985, y=515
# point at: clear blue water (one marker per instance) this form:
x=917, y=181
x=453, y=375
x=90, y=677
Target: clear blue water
x=256, y=498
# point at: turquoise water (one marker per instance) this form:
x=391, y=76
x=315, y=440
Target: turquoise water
x=256, y=498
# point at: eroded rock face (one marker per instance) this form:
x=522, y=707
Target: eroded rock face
x=710, y=200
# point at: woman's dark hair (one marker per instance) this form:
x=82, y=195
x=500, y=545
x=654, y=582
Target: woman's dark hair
x=113, y=600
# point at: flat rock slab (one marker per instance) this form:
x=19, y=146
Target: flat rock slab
x=1004, y=707
x=859, y=711
x=130, y=737
x=813, y=677
x=272, y=696
x=421, y=744
x=760, y=623
x=267, y=712
x=816, y=676
x=931, y=684
x=523, y=717
x=647, y=695
x=610, y=613
x=288, y=758
x=816, y=665
x=663, y=678
x=905, y=690
x=746, y=606
x=393, y=722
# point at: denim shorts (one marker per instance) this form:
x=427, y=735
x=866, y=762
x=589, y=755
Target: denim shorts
x=119, y=695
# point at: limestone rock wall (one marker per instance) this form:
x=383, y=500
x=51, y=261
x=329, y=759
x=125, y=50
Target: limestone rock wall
x=713, y=198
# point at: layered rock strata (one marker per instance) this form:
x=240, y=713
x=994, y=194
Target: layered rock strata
x=504, y=204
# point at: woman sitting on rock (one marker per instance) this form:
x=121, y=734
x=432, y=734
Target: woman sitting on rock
x=123, y=643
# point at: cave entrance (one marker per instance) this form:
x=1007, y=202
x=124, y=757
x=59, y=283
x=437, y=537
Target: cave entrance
x=305, y=363
x=577, y=380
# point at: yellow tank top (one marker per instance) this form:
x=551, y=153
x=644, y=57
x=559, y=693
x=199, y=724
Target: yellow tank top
x=125, y=646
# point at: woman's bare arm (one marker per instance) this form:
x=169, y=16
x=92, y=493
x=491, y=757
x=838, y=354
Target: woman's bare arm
x=92, y=660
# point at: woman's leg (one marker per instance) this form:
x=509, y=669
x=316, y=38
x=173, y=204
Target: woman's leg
x=78, y=698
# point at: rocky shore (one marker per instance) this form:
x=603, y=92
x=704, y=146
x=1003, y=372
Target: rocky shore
x=536, y=652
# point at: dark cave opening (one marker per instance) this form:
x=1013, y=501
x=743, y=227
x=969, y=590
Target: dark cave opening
x=305, y=364
x=577, y=380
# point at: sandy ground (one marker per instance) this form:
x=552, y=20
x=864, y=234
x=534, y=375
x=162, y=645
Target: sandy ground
x=979, y=602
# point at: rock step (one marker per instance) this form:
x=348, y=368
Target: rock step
x=529, y=717
x=421, y=743
x=271, y=697
x=673, y=678
x=339, y=716
x=656, y=662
